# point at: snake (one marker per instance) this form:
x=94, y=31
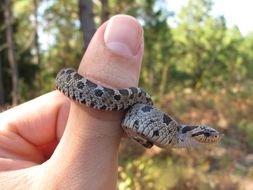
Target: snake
x=142, y=121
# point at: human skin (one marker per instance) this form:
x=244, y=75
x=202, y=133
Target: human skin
x=52, y=142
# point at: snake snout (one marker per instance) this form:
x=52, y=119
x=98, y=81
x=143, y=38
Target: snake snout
x=208, y=136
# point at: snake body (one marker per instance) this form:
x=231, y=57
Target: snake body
x=142, y=122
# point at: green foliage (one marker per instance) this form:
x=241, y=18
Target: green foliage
x=210, y=58
x=247, y=128
x=23, y=40
x=158, y=48
x=62, y=22
x=135, y=175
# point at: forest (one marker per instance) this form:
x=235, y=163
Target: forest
x=203, y=73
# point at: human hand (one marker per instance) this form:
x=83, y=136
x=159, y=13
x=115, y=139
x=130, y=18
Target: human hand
x=54, y=143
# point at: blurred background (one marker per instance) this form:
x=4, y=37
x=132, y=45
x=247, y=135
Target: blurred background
x=198, y=66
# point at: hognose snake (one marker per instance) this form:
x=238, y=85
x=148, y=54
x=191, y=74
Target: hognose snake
x=142, y=122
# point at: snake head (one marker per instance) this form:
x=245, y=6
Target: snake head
x=191, y=136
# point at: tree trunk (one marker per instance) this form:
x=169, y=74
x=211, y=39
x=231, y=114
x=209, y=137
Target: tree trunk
x=87, y=20
x=105, y=10
x=162, y=87
x=1, y=85
x=36, y=39
x=11, y=54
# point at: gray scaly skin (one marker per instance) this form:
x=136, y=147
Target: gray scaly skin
x=142, y=122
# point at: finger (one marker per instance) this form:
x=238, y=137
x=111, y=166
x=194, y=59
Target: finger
x=90, y=142
x=10, y=164
x=35, y=127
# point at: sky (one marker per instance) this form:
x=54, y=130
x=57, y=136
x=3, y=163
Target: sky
x=236, y=12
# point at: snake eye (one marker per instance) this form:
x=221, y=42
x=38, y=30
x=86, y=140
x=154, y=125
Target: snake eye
x=207, y=134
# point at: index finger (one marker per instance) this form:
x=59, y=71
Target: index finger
x=39, y=121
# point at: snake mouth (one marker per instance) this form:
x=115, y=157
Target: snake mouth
x=208, y=137
x=144, y=142
x=140, y=138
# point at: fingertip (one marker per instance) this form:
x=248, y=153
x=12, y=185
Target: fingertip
x=114, y=55
x=123, y=35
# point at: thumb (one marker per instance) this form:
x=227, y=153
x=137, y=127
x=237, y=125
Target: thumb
x=88, y=149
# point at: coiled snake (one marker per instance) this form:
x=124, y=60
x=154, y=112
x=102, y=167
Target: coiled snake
x=142, y=122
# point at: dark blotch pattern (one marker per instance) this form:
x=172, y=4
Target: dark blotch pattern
x=109, y=91
x=73, y=97
x=117, y=97
x=91, y=84
x=80, y=85
x=146, y=109
x=69, y=71
x=61, y=73
x=134, y=90
x=115, y=108
x=103, y=107
x=93, y=103
x=83, y=101
x=98, y=92
x=188, y=128
x=149, y=100
x=68, y=78
x=136, y=122
x=77, y=76
x=124, y=92
x=156, y=133
x=166, y=119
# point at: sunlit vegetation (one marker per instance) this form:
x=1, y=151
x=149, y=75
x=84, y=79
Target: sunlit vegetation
x=199, y=71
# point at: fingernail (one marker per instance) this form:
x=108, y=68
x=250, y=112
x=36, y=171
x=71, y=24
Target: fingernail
x=123, y=35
